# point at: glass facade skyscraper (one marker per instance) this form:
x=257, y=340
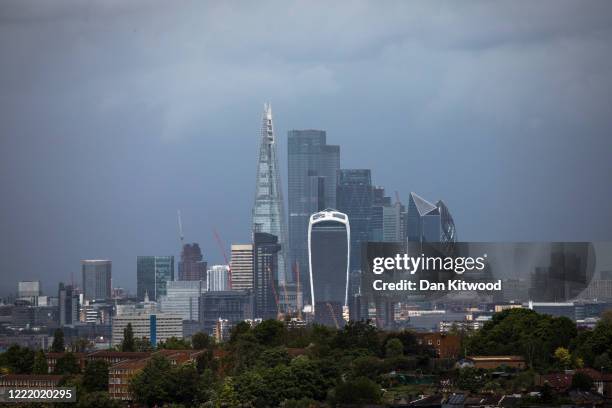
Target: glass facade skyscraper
x=429, y=222
x=354, y=197
x=152, y=274
x=268, y=210
x=265, y=264
x=312, y=168
x=96, y=279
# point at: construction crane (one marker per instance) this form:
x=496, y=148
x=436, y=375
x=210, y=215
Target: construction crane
x=286, y=298
x=180, y=228
x=222, y=249
x=331, y=311
x=279, y=315
x=296, y=271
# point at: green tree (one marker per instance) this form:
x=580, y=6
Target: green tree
x=593, y=343
x=563, y=358
x=358, y=391
x=603, y=362
x=581, y=381
x=270, y=333
x=184, y=385
x=206, y=361
x=469, y=379
x=40, y=363
x=18, y=360
x=358, y=335
x=174, y=343
x=525, y=332
x=58, y=341
x=274, y=356
x=151, y=386
x=67, y=364
x=142, y=344
x=95, y=376
x=227, y=396
x=128, y=339
x=200, y=341
x=394, y=348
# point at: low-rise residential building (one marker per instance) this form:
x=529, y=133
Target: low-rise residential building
x=52, y=359
x=445, y=345
x=120, y=374
x=29, y=381
x=492, y=362
x=157, y=327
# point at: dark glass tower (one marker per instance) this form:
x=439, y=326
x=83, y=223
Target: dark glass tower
x=354, y=197
x=265, y=268
x=268, y=209
x=96, y=279
x=329, y=234
x=313, y=166
x=152, y=273
x=429, y=222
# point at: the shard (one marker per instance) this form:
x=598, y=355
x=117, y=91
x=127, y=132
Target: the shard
x=268, y=210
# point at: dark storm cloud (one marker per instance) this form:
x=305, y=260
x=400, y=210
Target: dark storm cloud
x=115, y=114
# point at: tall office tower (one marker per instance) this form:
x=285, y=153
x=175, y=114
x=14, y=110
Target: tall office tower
x=68, y=303
x=152, y=274
x=379, y=201
x=29, y=290
x=217, y=278
x=268, y=210
x=427, y=222
x=354, y=198
x=191, y=266
x=312, y=179
x=182, y=298
x=265, y=265
x=96, y=279
x=392, y=223
x=234, y=306
x=242, y=266
x=329, y=237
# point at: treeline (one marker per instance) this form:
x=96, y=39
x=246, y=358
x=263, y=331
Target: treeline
x=547, y=343
x=270, y=365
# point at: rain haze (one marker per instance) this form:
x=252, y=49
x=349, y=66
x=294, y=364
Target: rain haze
x=114, y=115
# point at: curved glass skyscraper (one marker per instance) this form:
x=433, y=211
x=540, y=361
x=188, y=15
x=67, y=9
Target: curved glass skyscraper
x=268, y=210
x=329, y=238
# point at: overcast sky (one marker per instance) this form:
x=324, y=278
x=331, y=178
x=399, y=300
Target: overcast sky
x=115, y=114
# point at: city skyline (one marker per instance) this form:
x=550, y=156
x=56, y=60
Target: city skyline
x=105, y=131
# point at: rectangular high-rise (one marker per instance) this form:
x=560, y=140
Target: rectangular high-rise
x=68, y=305
x=152, y=274
x=217, y=278
x=192, y=267
x=183, y=298
x=312, y=178
x=242, y=266
x=354, y=197
x=96, y=279
x=265, y=266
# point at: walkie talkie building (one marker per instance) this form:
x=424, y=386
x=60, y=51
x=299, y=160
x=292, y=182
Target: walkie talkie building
x=329, y=238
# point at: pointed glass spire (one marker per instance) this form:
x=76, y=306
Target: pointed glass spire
x=268, y=210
